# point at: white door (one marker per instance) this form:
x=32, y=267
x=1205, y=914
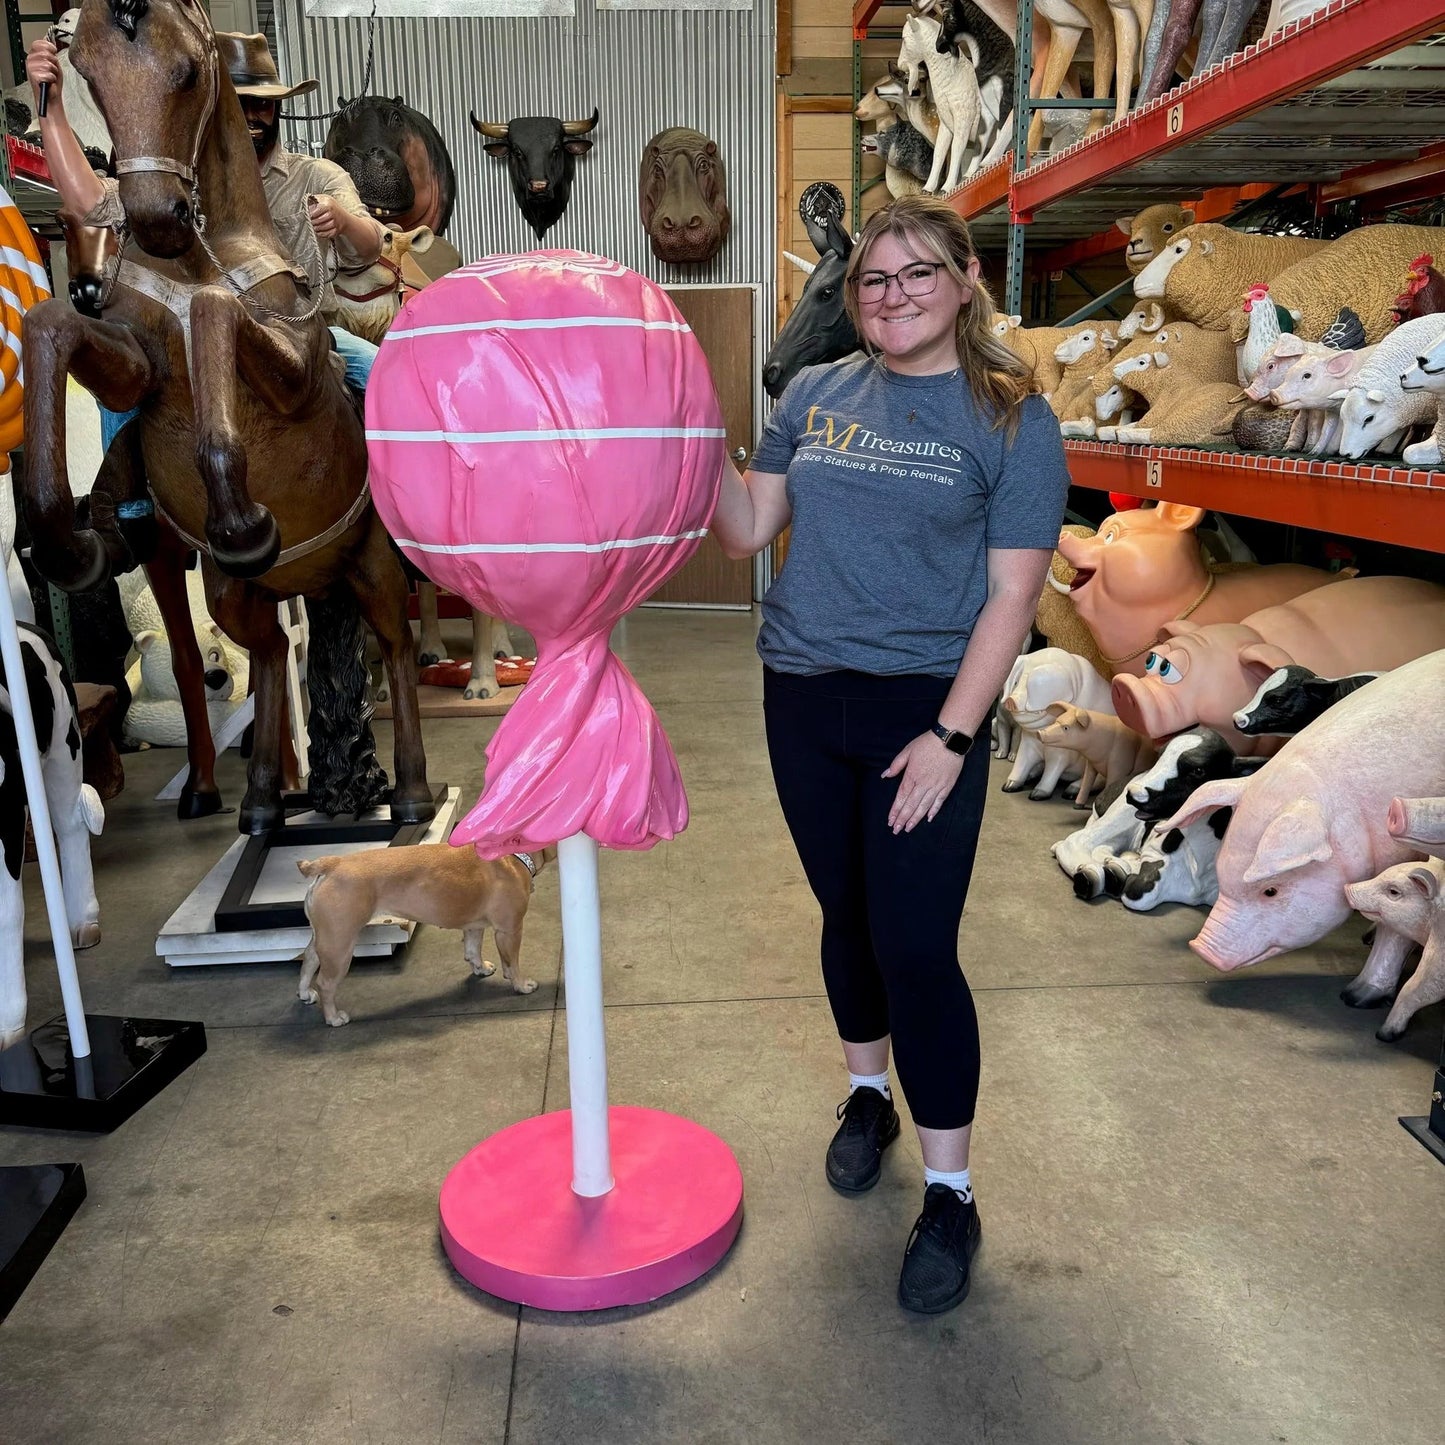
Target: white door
x=234, y=15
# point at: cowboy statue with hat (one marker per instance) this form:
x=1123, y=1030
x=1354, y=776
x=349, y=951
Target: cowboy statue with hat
x=302, y=189
x=310, y=199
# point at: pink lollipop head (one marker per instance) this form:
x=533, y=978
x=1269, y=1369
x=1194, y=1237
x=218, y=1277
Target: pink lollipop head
x=546, y=442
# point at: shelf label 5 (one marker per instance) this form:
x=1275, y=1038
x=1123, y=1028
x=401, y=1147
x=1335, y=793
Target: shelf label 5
x=1174, y=119
x=1153, y=473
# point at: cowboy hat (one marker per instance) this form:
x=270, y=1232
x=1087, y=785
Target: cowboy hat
x=247, y=59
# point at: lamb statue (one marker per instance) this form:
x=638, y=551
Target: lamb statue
x=154, y=715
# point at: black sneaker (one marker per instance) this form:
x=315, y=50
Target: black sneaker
x=935, y=1261
x=855, y=1157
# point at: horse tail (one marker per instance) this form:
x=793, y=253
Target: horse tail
x=346, y=775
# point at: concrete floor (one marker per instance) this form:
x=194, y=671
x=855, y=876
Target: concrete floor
x=1203, y=1225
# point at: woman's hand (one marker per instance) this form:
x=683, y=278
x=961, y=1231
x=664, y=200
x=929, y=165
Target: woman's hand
x=42, y=63
x=929, y=772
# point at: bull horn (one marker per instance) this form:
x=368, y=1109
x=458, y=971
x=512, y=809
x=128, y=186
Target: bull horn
x=806, y=267
x=580, y=127
x=489, y=128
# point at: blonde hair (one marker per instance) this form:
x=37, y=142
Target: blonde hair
x=997, y=379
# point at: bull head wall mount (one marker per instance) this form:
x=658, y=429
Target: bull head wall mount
x=541, y=154
x=683, y=196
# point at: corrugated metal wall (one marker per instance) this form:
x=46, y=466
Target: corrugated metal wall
x=644, y=70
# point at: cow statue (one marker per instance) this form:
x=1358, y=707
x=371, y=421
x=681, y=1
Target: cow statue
x=398, y=160
x=683, y=196
x=541, y=154
x=75, y=815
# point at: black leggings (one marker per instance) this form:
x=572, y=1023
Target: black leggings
x=891, y=905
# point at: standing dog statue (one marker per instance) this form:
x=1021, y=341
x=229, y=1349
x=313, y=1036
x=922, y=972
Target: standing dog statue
x=429, y=883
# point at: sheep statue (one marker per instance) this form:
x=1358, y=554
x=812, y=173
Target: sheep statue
x=1361, y=270
x=1149, y=231
x=1427, y=376
x=1206, y=271
x=1376, y=413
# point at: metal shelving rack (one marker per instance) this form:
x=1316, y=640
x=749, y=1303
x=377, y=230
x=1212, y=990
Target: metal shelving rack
x=1349, y=103
x=1359, y=84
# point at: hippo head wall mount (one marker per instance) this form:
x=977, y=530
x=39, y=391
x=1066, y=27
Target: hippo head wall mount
x=683, y=196
x=398, y=160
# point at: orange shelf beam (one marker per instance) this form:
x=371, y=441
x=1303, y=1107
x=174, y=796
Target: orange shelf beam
x=1384, y=503
x=1211, y=206
x=863, y=12
x=1332, y=41
x=984, y=190
x=1392, y=182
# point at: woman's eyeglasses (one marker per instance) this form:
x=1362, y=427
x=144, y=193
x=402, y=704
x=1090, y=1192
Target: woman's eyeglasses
x=918, y=278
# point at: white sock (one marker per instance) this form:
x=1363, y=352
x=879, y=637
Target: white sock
x=870, y=1081
x=960, y=1183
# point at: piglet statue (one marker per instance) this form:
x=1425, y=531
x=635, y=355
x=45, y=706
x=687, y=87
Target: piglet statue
x=1312, y=821
x=1036, y=682
x=1109, y=752
x=1144, y=568
x=1205, y=675
x=1407, y=899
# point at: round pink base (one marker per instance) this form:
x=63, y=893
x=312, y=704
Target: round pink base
x=512, y=1225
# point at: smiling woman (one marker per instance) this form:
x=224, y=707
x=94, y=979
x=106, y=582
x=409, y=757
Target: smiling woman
x=925, y=488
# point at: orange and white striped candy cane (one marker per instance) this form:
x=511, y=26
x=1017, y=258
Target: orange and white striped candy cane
x=23, y=283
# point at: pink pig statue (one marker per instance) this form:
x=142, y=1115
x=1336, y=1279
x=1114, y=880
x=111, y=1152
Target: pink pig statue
x=1407, y=899
x=1311, y=822
x=1144, y=568
x=1204, y=675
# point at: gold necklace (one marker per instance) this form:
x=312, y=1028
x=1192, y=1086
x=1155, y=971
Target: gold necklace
x=1119, y=661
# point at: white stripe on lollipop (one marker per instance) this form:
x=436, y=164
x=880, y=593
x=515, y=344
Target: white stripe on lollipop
x=468, y=549
x=570, y=434
x=540, y=323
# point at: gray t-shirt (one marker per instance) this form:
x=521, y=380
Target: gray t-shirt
x=898, y=487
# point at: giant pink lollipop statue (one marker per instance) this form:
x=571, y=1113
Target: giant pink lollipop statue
x=546, y=442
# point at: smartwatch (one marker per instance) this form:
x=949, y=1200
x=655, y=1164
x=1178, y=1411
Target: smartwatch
x=953, y=740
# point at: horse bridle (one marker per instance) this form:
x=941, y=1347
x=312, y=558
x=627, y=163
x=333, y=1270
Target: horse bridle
x=190, y=174
x=169, y=164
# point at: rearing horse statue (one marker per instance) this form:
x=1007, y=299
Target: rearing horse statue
x=253, y=448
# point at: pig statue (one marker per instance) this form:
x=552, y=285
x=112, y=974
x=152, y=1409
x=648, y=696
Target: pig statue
x=1313, y=820
x=1204, y=675
x=1109, y=752
x=1038, y=679
x=1144, y=568
x=1407, y=900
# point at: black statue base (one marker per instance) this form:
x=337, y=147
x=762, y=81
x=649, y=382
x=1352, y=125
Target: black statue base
x=1429, y=1128
x=36, y=1202
x=131, y=1060
x=1420, y=1128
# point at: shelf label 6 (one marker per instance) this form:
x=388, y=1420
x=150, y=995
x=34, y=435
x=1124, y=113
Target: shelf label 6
x=1174, y=119
x=1154, y=473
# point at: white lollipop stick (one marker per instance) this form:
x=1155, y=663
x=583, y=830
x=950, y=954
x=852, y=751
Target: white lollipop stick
x=586, y=1040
